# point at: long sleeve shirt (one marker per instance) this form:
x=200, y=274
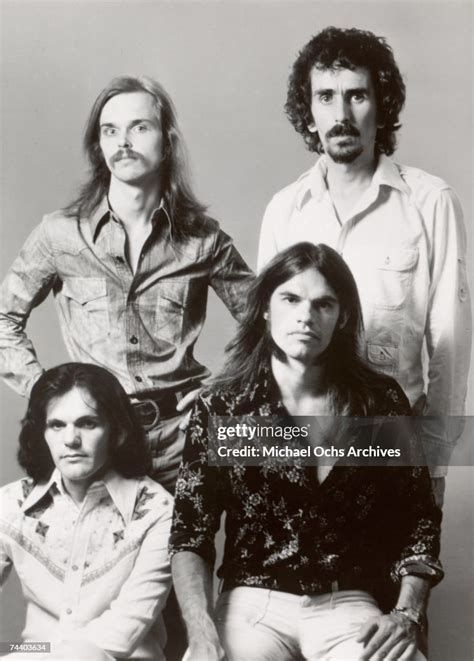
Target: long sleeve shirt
x=97, y=572
x=287, y=531
x=141, y=326
x=405, y=243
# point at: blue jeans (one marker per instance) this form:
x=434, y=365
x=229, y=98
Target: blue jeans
x=255, y=624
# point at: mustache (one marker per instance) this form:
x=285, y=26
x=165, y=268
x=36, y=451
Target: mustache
x=124, y=153
x=342, y=129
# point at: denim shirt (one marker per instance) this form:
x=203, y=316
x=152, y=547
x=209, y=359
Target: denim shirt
x=141, y=326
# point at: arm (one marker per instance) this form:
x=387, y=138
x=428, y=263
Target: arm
x=230, y=277
x=192, y=578
x=196, y=518
x=26, y=285
x=448, y=329
x=124, y=624
x=395, y=636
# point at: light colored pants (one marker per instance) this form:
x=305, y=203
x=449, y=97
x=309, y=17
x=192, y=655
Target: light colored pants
x=255, y=624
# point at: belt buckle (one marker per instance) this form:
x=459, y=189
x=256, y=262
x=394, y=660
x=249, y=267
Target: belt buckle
x=156, y=411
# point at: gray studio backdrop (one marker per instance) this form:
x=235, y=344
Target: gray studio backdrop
x=226, y=65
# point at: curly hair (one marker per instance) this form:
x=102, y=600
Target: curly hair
x=128, y=451
x=335, y=48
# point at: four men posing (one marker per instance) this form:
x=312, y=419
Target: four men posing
x=129, y=263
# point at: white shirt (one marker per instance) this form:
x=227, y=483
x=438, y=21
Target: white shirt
x=405, y=244
x=96, y=572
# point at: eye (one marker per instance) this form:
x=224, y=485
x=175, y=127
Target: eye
x=359, y=97
x=141, y=128
x=55, y=425
x=88, y=424
x=290, y=299
x=325, y=98
x=325, y=306
x=108, y=131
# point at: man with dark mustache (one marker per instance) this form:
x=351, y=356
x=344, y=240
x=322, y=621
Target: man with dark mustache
x=399, y=229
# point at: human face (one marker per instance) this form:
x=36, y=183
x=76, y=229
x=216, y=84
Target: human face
x=78, y=438
x=303, y=314
x=344, y=113
x=130, y=137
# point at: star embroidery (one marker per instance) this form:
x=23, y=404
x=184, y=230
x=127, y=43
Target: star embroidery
x=139, y=514
x=42, y=529
x=118, y=536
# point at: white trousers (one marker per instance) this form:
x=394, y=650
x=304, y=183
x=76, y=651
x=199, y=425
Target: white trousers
x=255, y=624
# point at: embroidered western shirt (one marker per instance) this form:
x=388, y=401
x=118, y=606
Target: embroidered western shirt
x=97, y=572
x=141, y=326
x=405, y=243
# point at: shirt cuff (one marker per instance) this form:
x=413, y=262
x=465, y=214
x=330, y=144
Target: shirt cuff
x=418, y=565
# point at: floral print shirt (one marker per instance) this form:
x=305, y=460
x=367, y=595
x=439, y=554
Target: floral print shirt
x=285, y=530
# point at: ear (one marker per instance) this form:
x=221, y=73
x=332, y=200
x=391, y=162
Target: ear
x=343, y=319
x=265, y=315
x=312, y=128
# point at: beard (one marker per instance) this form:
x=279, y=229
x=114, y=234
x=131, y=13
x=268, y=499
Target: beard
x=344, y=153
x=347, y=150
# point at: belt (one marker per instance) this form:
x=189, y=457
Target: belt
x=157, y=405
x=325, y=587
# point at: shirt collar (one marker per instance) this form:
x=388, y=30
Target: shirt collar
x=122, y=490
x=103, y=213
x=313, y=183
x=40, y=490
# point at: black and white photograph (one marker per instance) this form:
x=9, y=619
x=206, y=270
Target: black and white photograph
x=236, y=389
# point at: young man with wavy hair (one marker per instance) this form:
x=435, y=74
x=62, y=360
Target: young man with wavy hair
x=86, y=530
x=400, y=229
x=129, y=263
x=313, y=552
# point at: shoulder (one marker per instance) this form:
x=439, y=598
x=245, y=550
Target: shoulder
x=425, y=187
x=161, y=497
x=286, y=197
x=13, y=495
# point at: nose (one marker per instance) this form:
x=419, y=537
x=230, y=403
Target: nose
x=305, y=313
x=341, y=108
x=72, y=436
x=124, y=140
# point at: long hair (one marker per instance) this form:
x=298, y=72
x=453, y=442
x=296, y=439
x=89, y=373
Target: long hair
x=349, y=380
x=332, y=49
x=128, y=451
x=183, y=207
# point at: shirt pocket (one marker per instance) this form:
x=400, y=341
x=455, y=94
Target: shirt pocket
x=383, y=358
x=393, y=276
x=170, y=309
x=88, y=307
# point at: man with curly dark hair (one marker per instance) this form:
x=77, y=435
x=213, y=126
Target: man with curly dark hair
x=399, y=229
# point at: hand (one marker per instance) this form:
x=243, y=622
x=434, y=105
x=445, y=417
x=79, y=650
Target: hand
x=187, y=403
x=390, y=637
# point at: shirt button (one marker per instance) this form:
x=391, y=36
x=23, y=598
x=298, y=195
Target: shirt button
x=134, y=339
x=74, y=568
x=119, y=259
x=139, y=379
x=68, y=611
x=387, y=260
